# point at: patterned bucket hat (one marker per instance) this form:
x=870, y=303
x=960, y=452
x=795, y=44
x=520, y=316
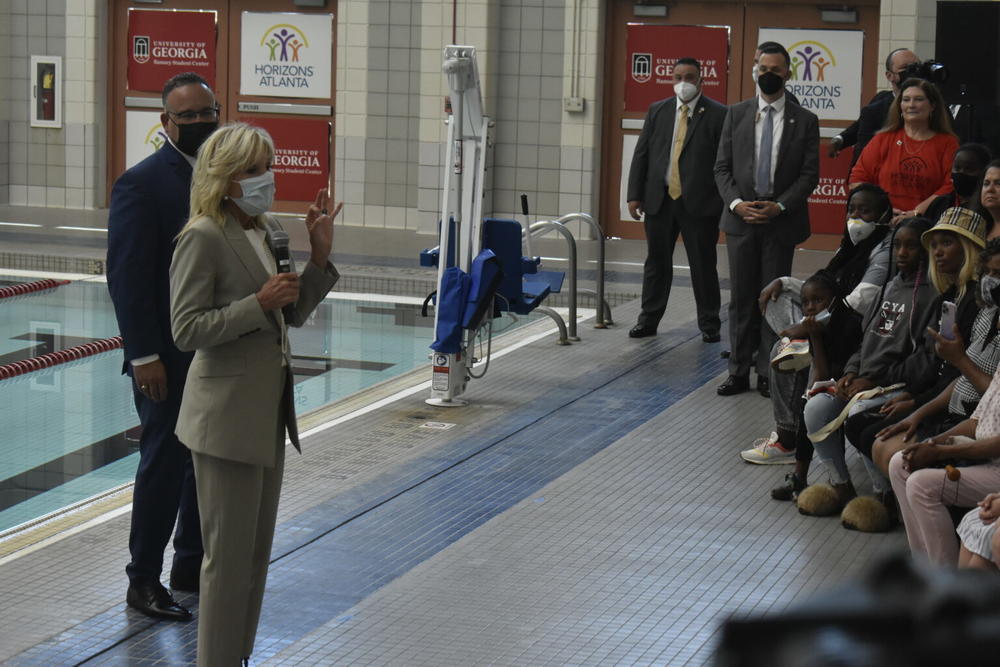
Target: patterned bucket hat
x=961, y=221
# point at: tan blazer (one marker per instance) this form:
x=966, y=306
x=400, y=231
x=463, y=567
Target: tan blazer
x=236, y=382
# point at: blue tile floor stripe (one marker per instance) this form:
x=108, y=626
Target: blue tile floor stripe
x=330, y=557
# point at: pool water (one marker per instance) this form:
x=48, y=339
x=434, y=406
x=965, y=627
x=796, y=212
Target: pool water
x=69, y=431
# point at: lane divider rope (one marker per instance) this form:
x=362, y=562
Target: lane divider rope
x=49, y=359
x=27, y=288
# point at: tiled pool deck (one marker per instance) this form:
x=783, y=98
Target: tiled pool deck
x=588, y=507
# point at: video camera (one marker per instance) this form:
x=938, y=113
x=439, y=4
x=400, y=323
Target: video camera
x=928, y=70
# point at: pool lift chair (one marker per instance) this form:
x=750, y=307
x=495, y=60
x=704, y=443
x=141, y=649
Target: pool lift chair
x=482, y=273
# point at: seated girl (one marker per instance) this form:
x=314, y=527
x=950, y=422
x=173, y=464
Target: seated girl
x=978, y=534
x=888, y=342
x=925, y=490
x=953, y=243
x=976, y=362
x=858, y=268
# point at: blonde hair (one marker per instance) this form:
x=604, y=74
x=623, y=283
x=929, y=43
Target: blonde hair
x=944, y=281
x=229, y=151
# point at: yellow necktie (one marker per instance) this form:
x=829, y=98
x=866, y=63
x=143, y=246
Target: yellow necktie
x=674, y=184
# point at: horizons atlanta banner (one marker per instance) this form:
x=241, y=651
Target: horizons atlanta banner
x=286, y=55
x=826, y=69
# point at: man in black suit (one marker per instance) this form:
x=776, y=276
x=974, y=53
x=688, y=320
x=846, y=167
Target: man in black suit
x=872, y=117
x=766, y=168
x=149, y=205
x=671, y=181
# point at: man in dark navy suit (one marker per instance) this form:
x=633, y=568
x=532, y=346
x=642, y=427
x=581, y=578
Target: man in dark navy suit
x=149, y=206
x=671, y=180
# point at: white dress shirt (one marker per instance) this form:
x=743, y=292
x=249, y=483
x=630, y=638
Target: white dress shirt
x=778, y=117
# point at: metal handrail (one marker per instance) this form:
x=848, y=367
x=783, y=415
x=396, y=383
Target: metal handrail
x=601, y=323
x=551, y=225
x=563, y=337
x=607, y=308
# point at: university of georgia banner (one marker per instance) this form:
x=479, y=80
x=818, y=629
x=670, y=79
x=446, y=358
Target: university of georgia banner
x=163, y=43
x=652, y=51
x=301, y=162
x=286, y=55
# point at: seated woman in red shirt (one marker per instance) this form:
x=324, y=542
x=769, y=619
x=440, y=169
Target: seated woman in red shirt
x=910, y=158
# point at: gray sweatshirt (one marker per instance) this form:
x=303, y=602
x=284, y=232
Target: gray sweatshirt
x=889, y=336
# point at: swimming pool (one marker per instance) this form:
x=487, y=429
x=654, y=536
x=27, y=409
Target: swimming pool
x=69, y=431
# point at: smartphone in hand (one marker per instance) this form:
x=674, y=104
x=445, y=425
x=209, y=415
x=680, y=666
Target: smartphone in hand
x=947, y=321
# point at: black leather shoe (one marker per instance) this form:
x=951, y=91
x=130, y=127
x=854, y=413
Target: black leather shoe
x=641, y=331
x=764, y=387
x=710, y=336
x=152, y=599
x=733, y=385
x=185, y=580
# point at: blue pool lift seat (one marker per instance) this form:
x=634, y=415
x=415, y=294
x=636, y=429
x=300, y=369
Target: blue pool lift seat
x=524, y=286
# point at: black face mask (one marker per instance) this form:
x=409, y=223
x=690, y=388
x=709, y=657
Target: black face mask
x=770, y=83
x=965, y=184
x=191, y=136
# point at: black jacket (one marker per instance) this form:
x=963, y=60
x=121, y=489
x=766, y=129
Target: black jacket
x=646, y=176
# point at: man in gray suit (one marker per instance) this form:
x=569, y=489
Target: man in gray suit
x=766, y=168
x=671, y=181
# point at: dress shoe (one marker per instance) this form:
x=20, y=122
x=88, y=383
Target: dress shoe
x=185, y=580
x=735, y=384
x=763, y=386
x=152, y=599
x=710, y=336
x=641, y=331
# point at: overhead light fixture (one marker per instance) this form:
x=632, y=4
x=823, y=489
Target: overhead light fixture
x=842, y=14
x=642, y=9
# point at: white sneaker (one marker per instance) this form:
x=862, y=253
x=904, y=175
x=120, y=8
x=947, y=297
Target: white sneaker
x=792, y=355
x=768, y=451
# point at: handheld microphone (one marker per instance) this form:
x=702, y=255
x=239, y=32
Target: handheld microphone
x=283, y=259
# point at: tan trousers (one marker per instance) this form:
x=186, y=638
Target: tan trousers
x=239, y=506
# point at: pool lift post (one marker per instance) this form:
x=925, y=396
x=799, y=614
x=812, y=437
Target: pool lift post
x=461, y=209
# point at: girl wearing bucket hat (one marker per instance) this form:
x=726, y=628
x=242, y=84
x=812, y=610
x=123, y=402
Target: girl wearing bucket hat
x=957, y=230
x=954, y=245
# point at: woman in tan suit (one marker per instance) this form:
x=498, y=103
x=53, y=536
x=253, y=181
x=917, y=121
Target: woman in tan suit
x=226, y=305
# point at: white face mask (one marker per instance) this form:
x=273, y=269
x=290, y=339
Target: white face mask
x=987, y=289
x=859, y=230
x=258, y=194
x=685, y=91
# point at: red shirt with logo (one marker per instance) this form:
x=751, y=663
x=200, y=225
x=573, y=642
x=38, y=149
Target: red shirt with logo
x=909, y=170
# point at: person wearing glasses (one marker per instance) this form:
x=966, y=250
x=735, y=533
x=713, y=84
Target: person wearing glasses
x=149, y=206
